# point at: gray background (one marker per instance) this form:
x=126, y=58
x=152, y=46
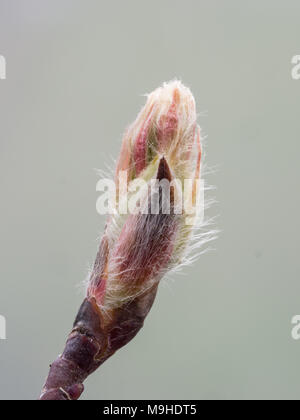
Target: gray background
x=75, y=74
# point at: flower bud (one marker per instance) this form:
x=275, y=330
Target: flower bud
x=165, y=126
x=137, y=249
x=160, y=152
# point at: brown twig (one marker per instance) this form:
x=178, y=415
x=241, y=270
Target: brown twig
x=90, y=344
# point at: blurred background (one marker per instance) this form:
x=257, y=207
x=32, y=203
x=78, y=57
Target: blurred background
x=76, y=72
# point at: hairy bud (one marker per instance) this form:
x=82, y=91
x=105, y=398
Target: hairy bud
x=163, y=144
x=161, y=148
